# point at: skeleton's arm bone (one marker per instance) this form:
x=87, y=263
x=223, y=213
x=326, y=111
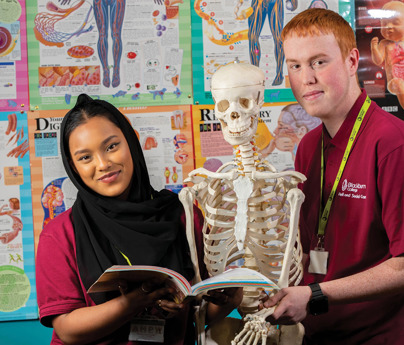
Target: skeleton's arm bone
x=187, y=199
x=295, y=198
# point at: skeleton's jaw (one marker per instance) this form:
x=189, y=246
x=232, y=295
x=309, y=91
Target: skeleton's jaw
x=239, y=135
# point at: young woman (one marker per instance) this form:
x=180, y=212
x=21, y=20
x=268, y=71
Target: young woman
x=117, y=218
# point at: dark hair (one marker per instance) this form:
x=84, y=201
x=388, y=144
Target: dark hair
x=85, y=109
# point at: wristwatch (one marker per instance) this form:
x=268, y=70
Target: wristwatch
x=318, y=303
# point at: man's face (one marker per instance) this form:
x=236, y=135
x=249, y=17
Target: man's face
x=320, y=78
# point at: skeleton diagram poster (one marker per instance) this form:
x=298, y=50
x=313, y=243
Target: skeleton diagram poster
x=165, y=134
x=280, y=129
x=13, y=56
x=380, y=37
x=127, y=52
x=248, y=30
x=17, y=257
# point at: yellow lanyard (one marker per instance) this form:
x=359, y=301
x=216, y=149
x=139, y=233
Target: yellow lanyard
x=126, y=258
x=324, y=214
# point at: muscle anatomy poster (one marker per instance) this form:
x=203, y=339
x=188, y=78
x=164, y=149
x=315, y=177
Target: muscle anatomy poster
x=249, y=31
x=17, y=257
x=128, y=52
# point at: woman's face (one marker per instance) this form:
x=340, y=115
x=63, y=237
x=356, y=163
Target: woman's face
x=101, y=156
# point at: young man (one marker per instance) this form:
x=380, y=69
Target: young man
x=354, y=250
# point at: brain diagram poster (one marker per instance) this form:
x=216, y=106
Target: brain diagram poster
x=13, y=56
x=128, y=52
x=248, y=30
x=17, y=257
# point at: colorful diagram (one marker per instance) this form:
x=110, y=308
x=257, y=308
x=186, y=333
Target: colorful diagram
x=7, y=43
x=180, y=140
x=149, y=143
x=52, y=200
x=72, y=75
x=80, y=52
x=45, y=23
x=12, y=212
x=110, y=14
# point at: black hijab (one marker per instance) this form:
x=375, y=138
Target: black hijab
x=146, y=227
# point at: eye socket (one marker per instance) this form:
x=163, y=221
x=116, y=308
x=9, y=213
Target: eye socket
x=245, y=102
x=223, y=105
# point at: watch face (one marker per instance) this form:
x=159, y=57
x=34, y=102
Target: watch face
x=319, y=305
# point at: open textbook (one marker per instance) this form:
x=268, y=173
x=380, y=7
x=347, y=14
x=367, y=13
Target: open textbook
x=243, y=277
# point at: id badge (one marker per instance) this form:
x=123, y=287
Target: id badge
x=147, y=329
x=318, y=261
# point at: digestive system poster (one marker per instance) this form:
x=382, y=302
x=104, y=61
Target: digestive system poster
x=165, y=134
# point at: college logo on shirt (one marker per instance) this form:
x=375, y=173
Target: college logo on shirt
x=352, y=190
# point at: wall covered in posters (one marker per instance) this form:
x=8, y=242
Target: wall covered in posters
x=143, y=65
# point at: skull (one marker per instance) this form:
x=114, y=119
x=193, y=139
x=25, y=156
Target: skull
x=238, y=93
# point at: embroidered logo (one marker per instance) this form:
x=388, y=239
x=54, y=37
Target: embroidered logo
x=352, y=190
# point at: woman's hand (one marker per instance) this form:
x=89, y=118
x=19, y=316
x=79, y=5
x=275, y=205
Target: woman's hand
x=151, y=294
x=222, y=302
x=229, y=296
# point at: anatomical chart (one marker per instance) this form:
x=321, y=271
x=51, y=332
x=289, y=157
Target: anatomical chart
x=165, y=134
x=280, y=129
x=17, y=257
x=52, y=192
x=128, y=52
x=248, y=30
x=380, y=37
x=13, y=56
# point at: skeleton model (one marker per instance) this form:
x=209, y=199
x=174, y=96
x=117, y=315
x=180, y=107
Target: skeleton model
x=251, y=211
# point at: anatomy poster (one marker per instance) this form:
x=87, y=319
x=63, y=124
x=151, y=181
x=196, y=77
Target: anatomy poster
x=165, y=134
x=127, y=52
x=380, y=37
x=280, y=129
x=248, y=30
x=13, y=56
x=17, y=257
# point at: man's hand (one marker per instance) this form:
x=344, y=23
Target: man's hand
x=291, y=305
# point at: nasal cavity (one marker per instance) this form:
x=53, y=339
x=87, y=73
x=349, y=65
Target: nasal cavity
x=234, y=115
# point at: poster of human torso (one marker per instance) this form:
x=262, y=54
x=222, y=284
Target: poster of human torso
x=128, y=52
x=13, y=56
x=17, y=257
x=279, y=131
x=380, y=38
x=249, y=31
x=165, y=134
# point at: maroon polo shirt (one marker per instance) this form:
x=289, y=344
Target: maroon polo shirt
x=365, y=225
